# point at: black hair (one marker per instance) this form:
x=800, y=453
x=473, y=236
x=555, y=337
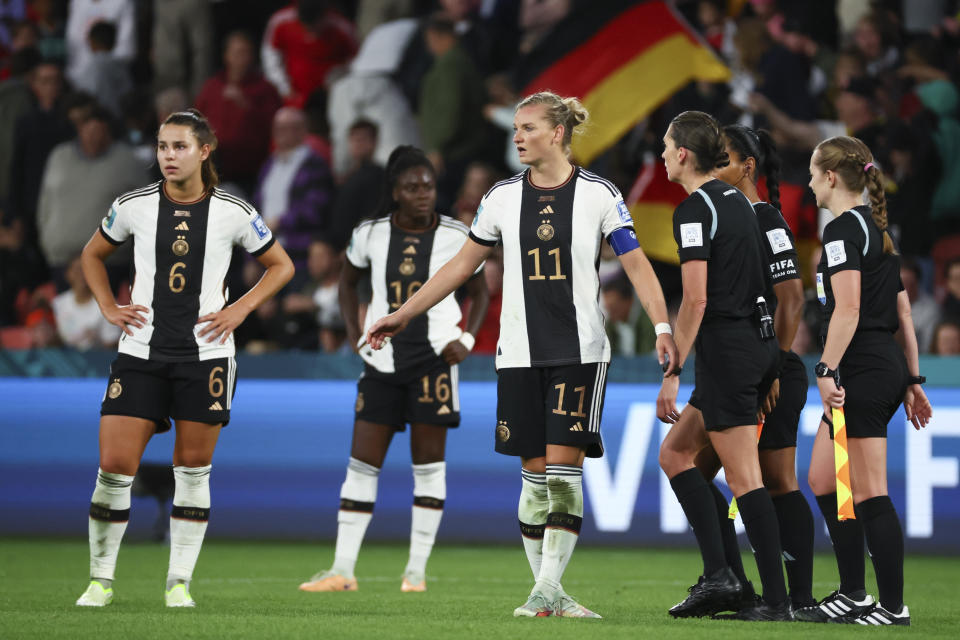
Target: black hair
x=364, y=123
x=699, y=133
x=402, y=159
x=104, y=34
x=760, y=146
x=204, y=133
x=440, y=22
x=310, y=11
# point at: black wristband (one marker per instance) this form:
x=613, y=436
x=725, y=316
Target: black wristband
x=916, y=379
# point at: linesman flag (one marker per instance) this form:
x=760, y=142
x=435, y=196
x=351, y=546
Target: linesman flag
x=842, y=462
x=622, y=59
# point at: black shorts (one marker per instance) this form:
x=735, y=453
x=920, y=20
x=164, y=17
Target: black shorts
x=200, y=391
x=734, y=370
x=780, y=427
x=537, y=406
x=428, y=396
x=874, y=373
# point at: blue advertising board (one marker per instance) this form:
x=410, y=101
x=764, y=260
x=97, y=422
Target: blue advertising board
x=279, y=465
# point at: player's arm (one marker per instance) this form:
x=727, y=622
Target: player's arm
x=915, y=402
x=350, y=277
x=279, y=270
x=443, y=283
x=647, y=285
x=692, y=308
x=94, y=253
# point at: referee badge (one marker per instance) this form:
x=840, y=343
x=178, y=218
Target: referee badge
x=407, y=267
x=503, y=431
x=545, y=231
x=114, y=390
x=180, y=246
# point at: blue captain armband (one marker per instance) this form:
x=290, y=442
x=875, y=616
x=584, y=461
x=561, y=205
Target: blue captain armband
x=623, y=240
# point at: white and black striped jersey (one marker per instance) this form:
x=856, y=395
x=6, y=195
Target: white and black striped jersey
x=551, y=248
x=400, y=261
x=181, y=253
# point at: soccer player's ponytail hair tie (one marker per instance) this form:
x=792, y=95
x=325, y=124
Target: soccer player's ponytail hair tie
x=868, y=166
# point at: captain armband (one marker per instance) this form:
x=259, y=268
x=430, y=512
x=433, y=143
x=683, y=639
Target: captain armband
x=623, y=240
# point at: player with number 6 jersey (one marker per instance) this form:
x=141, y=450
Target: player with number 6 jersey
x=176, y=350
x=552, y=354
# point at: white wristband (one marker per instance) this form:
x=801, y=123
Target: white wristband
x=467, y=340
x=662, y=327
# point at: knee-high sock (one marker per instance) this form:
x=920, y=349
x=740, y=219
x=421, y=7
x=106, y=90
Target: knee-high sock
x=188, y=521
x=565, y=496
x=796, y=536
x=429, y=492
x=532, y=514
x=699, y=506
x=760, y=520
x=885, y=542
x=109, y=513
x=847, y=539
x=357, y=495
x=728, y=533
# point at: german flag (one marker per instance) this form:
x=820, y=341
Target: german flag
x=651, y=201
x=622, y=59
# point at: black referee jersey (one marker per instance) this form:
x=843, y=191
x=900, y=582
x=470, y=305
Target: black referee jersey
x=779, y=248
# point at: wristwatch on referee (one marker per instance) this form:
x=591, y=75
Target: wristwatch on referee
x=916, y=379
x=823, y=371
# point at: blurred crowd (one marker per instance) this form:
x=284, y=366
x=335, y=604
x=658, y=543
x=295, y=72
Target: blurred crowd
x=308, y=98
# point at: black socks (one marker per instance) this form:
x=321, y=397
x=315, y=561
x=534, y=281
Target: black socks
x=698, y=505
x=847, y=538
x=885, y=542
x=760, y=520
x=796, y=538
x=731, y=548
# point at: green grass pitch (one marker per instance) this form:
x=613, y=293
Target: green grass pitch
x=249, y=590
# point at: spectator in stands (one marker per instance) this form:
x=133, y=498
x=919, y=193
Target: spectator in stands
x=79, y=321
x=628, y=328
x=295, y=189
x=16, y=99
x=240, y=104
x=450, y=106
x=941, y=98
x=82, y=15
x=359, y=194
x=49, y=17
x=477, y=180
x=946, y=339
x=183, y=47
x=923, y=308
x=951, y=302
x=303, y=44
x=316, y=307
x=21, y=264
x=80, y=181
x=42, y=325
x=102, y=74
x=875, y=39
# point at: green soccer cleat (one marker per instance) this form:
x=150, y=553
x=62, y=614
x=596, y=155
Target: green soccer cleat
x=178, y=596
x=566, y=607
x=95, y=596
x=536, y=606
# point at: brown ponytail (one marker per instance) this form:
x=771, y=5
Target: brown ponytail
x=204, y=134
x=852, y=161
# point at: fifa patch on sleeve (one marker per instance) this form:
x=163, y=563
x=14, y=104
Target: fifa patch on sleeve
x=691, y=235
x=779, y=240
x=624, y=212
x=108, y=221
x=836, y=254
x=260, y=227
x=476, y=216
x=821, y=292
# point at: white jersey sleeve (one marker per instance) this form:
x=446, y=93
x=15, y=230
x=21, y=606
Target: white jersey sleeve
x=486, y=222
x=358, y=250
x=253, y=234
x=614, y=213
x=116, y=224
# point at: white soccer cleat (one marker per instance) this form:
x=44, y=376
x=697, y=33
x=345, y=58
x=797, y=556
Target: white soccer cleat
x=536, y=606
x=178, y=596
x=329, y=581
x=413, y=583
x=95, y=596
x=566, y=607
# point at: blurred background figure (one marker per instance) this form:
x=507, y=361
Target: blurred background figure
x=315, y=308
x=101, y=74
x=359, y=191
x=946, y=339
x=81, y=16
x=628, y=328
x=183, y=46
x=78, y=319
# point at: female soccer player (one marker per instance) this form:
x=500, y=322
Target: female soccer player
x=752, y=153
x=864, y=371
x=552, y=353
x=176, y=350
x=736, y=359
x=415, y=379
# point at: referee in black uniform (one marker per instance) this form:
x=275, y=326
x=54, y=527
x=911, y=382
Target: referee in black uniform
x=552, y=353
x=176, y=352
x=864, y=371
x=724, y=280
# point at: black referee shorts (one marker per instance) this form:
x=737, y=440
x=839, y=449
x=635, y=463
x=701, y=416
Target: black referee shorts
x=537, y=406
x=734, y=370
x=780, y=428
x=428, y=396
x=874, y=373
x=199, y=391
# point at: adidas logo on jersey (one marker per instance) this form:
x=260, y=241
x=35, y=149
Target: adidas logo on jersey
x=444, y=410
x=547, y=209
x=577, y=427
x=182, y=226
x=410, y=251
x=216, y=406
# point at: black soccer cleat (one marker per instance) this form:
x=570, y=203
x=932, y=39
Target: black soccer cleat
x=748, y=597
x=763, y=612
x=720, y=591
x=878, y=616
x=836, y=608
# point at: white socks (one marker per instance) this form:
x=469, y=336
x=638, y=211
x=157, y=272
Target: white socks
x=109, y=513
x=188, y=521
x=532, y=514
x=429, y=492
x=565, y=494
x=357, y=496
